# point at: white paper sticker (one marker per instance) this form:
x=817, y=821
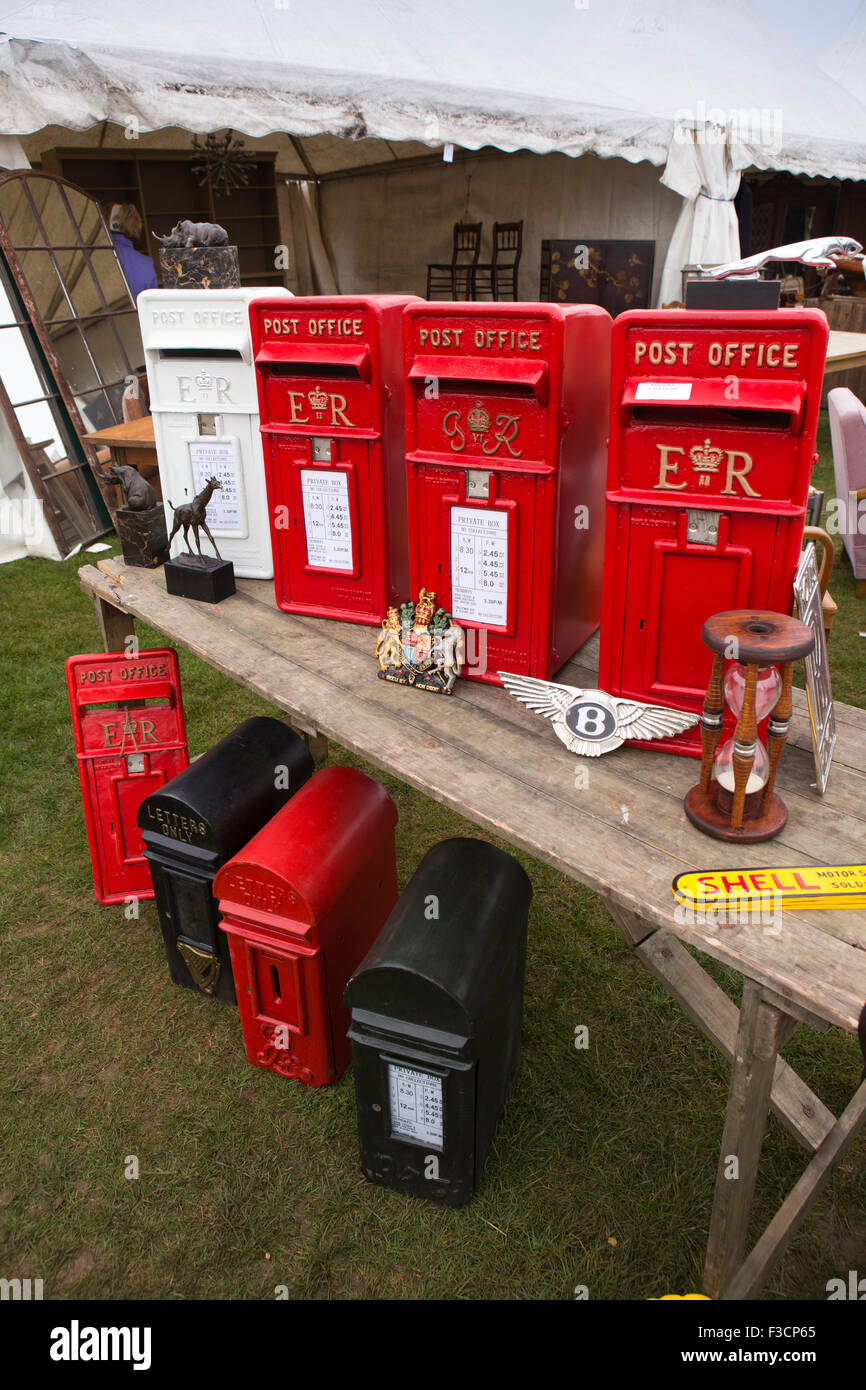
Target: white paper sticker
x=416, y=1105
x=479, y=566
x=218, y=458
x=663, y=391
x=327, y=518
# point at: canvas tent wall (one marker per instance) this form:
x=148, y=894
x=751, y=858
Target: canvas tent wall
x=384, y=228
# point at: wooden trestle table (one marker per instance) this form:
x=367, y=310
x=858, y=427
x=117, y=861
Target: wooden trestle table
x=624, y=835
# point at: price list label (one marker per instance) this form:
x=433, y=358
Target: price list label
x=218, y=459
x=416, y=1105
x=327, y=519
x=479, y=565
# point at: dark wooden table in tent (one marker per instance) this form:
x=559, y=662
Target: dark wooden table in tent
x=625, y=836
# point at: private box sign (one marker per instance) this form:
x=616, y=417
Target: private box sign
x=330, y=396
x=506, y=423
x=130, y=739
x=712, y=443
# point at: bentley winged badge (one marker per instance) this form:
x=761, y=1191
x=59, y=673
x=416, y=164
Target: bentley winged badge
x=591, y=722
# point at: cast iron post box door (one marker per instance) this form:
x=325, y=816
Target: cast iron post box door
x=201, y=377
x=436, y=1014
x=330, y=393
x=130, y=739
x=301, y=905
x=506, y=425
x=198, y=821
x=711, y=446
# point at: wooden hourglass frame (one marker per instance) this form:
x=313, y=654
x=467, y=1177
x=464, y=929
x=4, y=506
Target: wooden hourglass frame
x=755, y=639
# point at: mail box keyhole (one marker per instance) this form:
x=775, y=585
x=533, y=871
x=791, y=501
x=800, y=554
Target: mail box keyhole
x=478, y=483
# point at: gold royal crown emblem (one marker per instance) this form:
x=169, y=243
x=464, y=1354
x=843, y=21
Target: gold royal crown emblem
x=318, y=400
x=706, y=460
x=478, y=419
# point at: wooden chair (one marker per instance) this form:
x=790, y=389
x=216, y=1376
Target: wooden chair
x=457, y=280
x=826, y=556
x=498, y=279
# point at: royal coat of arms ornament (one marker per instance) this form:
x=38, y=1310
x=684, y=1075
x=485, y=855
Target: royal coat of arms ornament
x=421, y=645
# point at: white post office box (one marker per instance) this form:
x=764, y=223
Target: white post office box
x=203, y=398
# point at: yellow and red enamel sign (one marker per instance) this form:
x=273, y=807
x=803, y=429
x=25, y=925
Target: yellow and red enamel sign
x=806, y=886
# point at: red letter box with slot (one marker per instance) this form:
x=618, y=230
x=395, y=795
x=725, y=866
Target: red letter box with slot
x=506, y=423
x=711, y=446
x=302, y=904
x=130, y=739
x=329, y=374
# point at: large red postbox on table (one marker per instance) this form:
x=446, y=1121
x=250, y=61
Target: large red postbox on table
x=302, y=904
x=329, y=372
x=712, y=442
x=506, y=424
x=130, y=739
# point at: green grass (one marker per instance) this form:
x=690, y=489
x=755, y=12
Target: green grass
x=601, y=1173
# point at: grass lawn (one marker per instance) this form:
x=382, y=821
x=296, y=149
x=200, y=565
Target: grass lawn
x=602, y=1171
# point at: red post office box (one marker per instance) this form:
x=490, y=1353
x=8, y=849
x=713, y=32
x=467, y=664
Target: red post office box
x=712, y=443
x=329, y=375
x=302, y=904
x=130, y=739
x=506, y=422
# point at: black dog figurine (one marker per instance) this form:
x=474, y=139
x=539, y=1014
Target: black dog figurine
x=138, y=495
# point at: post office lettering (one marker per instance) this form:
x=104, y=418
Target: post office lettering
x=656, y=351
x=734, y=353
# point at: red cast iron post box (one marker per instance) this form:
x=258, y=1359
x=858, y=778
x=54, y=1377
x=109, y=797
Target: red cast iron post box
x=506, y=423
x=302, y=903
x=130, y=739
x=712, y=443
x=329, y=374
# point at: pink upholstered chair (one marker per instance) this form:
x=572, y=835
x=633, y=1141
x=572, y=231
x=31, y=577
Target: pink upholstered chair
x=848, y=432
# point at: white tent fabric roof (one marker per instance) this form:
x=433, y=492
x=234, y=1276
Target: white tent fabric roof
x=403, y=70
x=701, y=58
x=845, y=58
x=398, y=70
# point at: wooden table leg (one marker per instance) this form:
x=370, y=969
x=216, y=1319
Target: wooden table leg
x=803, y=1114
x=763, y=1030
x=115, y=624
x=753, y=1273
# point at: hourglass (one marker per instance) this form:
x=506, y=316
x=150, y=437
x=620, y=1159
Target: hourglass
x=735, y=797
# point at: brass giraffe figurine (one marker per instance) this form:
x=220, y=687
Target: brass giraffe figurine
x=193, y=514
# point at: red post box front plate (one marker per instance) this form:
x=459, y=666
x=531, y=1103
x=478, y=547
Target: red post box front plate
x=329, y=373
x=130, y=739
x=712, y=443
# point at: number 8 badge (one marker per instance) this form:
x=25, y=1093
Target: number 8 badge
x=591, y=722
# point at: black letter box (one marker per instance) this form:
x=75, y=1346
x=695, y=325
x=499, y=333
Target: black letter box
x=198, y=821
x=436, y=1012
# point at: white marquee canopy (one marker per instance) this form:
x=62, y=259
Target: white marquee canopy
x=610, y=79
